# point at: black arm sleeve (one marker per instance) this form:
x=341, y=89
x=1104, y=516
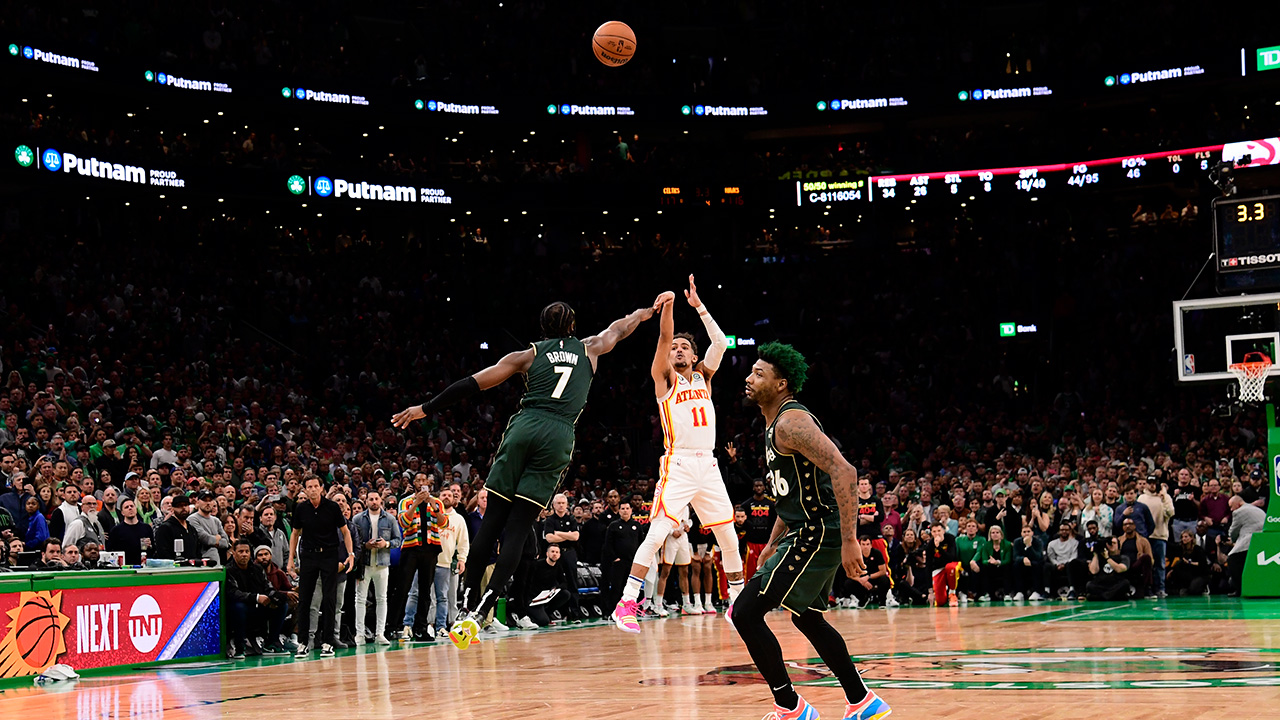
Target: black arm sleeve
x=455, y=393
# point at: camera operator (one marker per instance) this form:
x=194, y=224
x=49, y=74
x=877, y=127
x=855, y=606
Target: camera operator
x=1109, y=569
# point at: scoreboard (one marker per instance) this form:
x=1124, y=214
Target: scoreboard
x=1108, y=173
x=1027, y=180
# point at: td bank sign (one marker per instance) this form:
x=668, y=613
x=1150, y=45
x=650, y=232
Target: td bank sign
x=1268, y=58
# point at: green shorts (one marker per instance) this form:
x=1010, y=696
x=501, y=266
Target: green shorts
x=533, y=455
x=798, y=576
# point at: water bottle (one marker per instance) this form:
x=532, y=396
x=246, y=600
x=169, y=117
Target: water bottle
x=144, y=558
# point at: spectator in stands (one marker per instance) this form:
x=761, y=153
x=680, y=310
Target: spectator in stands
x=1257, y=492
x=1160, y=506
x=37, y=529
x=130, y=536
x=209, y=529
x=452, y=558
x=872, y=588
x=377, y=533
x=253, y=607
x=175, y=539
x=1215, y=510
x=90, y=556
x=1027, y=570
x=994, y=560
x=66, y=512
x=560, y=528
x=968, y=547
x=1188, y=567
x=419, y=553
x=285, y=593
x=1062, y=563
x=1137, y=550
x=1246, y=519
x=86, y=525
x=71, y=557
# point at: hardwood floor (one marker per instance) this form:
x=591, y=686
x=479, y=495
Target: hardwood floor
x=1176, y=659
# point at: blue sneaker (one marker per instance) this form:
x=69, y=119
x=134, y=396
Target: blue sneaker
x=804, y=711
x=871, y=708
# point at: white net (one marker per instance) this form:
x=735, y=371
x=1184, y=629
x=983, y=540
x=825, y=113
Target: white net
x=1252, y=376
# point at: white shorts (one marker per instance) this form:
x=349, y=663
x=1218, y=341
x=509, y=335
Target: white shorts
x=676, y=550
x=692, y=478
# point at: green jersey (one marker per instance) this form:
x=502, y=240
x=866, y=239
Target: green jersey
x=559, y=379
x=803, y=490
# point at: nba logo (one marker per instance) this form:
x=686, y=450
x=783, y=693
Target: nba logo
x=1275, y=474
x=1188, y=364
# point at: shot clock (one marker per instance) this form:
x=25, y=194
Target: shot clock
x=1247, y=233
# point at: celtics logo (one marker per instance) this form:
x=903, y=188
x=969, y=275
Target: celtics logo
x=1094, y=668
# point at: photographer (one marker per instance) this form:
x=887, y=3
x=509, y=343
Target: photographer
x=1108, y=568
x=254, y=607
x=1188, y=567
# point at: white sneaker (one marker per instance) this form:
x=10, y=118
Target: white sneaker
x=1019, y=597
x=964, y=598
x=326, y=650
x=891, y=602
x=1036, y=596
x=407, y=634
x=431, y=632
x=497, y=626
x=660, y=609
x=984, y=598
x=381, y=639
x=709, y=609
x=303, y=651
x=690, y=609
x=525, y=623
x=360, y=639
x=697, y=605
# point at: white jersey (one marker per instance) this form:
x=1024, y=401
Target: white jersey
x=688, y=417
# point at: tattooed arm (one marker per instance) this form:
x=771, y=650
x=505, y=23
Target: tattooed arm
x=796, y=432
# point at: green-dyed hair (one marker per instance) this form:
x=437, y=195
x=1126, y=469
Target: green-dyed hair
x=787, y=362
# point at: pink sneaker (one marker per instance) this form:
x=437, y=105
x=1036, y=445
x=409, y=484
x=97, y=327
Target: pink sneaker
x=804, y=711
x=624, y=616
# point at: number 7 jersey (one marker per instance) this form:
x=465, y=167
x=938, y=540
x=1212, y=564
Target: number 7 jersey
x=559, y=378
x=688, y=416
x=803, y=490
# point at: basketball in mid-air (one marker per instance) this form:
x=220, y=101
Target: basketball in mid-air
x=614, y=43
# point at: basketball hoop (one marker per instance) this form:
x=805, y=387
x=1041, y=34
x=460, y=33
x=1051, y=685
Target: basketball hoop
x=1252, y=376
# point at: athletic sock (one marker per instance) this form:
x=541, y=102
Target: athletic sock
x=735, y=587
x=786, y=698
x=686, y=599
x=633, y=588
x=706, y=600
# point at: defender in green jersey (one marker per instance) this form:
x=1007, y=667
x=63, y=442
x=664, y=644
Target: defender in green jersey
x=536, y=447
x=813, y=536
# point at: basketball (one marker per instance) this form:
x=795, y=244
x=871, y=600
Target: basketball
x=614, y=43
x=37, y=636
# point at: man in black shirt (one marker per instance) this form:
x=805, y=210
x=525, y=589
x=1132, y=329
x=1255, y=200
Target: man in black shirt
x=319, y=529
x=130, y=536
x=175, y=539
x=1255, y=491
x=549, y=587
x=1188, y=566
x=873, y=587
x=254, y=607
x=760, y=517
x=591, y=537
x=561, y=529
x=1186, y=504
x=621, y=540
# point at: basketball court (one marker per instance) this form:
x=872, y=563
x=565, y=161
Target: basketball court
x=1186, y=657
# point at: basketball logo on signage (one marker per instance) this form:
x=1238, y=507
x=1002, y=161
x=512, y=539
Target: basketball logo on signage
x=145, y=624
x=33, y=639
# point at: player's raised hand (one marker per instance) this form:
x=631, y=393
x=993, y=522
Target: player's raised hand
x=662, y=300
x=692, y=293
x=406, y=416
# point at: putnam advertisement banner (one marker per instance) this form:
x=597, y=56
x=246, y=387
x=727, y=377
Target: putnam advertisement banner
x=107, y=626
